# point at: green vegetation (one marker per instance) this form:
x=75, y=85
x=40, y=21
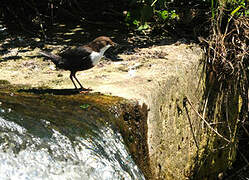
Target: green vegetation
x=226, y=77
x=220, y=25
x=84, y=106
x=172, y=16
x=227, y=47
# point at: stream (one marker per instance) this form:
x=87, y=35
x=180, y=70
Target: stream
x=38, y=142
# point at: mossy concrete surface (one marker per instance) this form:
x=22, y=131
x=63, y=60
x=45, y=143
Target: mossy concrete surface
x=166, y=81
x=76, y=114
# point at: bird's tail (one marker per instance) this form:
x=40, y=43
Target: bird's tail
x=53, y=57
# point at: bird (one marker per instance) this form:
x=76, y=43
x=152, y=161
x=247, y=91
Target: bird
x=80, y=58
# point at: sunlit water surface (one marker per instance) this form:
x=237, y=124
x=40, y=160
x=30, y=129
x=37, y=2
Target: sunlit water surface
x=23, y=155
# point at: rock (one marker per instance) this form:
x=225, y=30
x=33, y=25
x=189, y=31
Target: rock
x=166, y=80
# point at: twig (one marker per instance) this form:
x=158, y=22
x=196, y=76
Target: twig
x=216, y=132
x=19, y=22
x=243, y=156
x=227, y=116
x=32, y=6
x=205, y=106
x=237, y=172
x=190, y=123
x=246, y=131
x=241, y=169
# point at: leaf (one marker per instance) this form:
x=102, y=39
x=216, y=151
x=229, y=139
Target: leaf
x=173, y=15
x=234, y=11
x=154, y=3
x=143, y=27
x=136, y=22
x=164, y=14
x=84, y=106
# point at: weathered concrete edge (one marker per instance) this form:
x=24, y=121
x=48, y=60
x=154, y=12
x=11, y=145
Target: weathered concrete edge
x=180, y=144
x=171, y=144
x=127, y=115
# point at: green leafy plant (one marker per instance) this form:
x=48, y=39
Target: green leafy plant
x=139, y=17
x=143, y=14
x=84, y=106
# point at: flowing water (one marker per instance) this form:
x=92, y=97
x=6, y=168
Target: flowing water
x=70, y=147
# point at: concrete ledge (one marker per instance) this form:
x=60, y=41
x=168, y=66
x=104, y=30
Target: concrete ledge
x=160, y=79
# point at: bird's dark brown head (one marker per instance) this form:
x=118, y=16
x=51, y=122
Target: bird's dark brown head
x=101, y=42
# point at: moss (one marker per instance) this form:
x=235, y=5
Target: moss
x=4, y=82
x=59, y=106
x=216, y=154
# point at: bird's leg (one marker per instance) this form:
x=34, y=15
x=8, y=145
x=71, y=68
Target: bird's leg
x=87, y=89
x=72, y=74
x=78, y=82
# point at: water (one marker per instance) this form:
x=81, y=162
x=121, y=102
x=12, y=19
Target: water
x=37, y=148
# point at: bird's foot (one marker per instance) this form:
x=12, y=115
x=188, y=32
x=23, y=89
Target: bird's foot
x=84, y=90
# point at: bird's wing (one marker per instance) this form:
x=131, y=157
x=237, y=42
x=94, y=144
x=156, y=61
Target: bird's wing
x=75, y=58
x=76, y=53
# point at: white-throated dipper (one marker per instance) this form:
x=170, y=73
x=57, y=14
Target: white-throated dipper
x=81, y=58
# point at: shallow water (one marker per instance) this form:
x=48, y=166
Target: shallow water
x=34, y=147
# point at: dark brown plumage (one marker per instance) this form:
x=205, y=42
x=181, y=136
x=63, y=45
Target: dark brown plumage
x=81, y=58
